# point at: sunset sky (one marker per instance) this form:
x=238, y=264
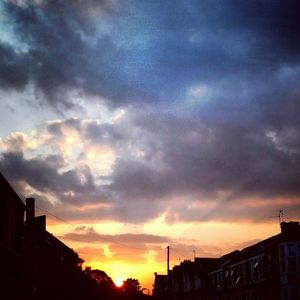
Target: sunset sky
x=138, y=124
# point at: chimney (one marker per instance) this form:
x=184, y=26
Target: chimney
x=40, y=223
x=290, y=227
x=29, y=209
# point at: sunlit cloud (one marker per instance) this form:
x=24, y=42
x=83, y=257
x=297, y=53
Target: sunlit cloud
x=18, y=141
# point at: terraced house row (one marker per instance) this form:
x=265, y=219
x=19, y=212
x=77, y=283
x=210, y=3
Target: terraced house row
x=269, y=269
x=35, y=264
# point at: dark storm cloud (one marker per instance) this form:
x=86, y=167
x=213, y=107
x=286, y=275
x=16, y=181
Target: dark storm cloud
x=43, y=175
x=175, y=158
x=13, y=74
x=59, y=57
x=241, y=137
x=165, y=47
x=194, y=41
x=196, y=159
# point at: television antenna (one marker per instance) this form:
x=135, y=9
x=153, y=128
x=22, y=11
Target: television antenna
x=280, y=216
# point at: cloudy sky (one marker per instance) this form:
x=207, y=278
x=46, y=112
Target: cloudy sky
x=138, y=124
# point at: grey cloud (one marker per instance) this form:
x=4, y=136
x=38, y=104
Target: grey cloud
x=270, y=26
x=242, y=140
x=55, y=128
x=133, y=179
x=43, y=175
x=245, y=42
x=88, y=234
x=200, y=159
x=58, y=58
x=12, y=71
x=237, y=209
x=78, y=209
x=188, y=42
x=192, y=160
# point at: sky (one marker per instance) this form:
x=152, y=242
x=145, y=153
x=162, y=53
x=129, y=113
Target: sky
x=141, y=124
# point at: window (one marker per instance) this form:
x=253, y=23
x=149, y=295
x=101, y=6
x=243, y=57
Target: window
x=282, y=252
x=282, y=266
x=292, y=250
x=256, y=269
x=292, y=264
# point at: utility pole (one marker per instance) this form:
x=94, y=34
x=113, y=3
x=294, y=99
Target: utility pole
x=168, y=272
x=168, y=260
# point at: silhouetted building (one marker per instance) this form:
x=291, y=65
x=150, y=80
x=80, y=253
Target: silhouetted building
x=160, y=286
x=51, y=266
x=269, y=269
x=35, y=264
x=189, y=280
x=11, y=237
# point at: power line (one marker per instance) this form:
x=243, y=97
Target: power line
x=52, y=215
x=87, y=240
x=180, y=253
x=78, y=239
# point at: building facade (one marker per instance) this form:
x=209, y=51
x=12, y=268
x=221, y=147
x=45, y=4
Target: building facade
x=11, y=238
x=35, y=264
x=269, y=269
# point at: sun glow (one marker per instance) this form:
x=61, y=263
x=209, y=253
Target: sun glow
x=119, y=282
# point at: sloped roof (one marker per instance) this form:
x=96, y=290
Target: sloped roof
x=5, y=186
x=260, y=247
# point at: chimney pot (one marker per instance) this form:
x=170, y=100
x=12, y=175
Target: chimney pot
x=289, y=227
x=30, y=213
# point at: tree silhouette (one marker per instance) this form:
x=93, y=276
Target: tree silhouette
x=131, y=286
x=99, y=276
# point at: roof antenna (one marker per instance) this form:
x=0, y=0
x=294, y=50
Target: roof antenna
x=281, y=216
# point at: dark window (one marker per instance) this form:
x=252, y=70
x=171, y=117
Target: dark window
x=282, y=253
x=292, y=249
x=282, y=266
x=292, y=262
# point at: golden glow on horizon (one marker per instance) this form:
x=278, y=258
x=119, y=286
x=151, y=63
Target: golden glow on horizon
x=143, y=271
x=209, y=238
x=119, y=281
